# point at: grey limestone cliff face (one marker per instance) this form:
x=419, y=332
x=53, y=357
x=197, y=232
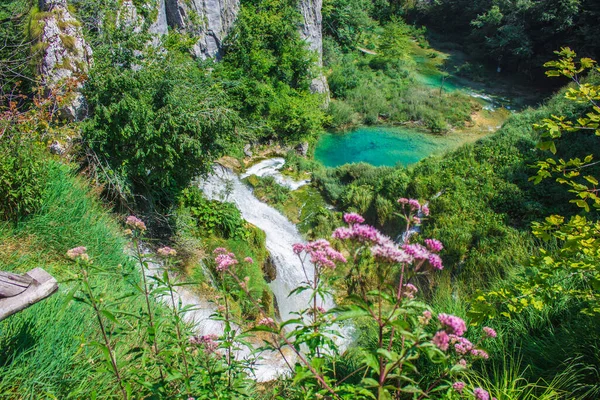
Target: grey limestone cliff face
x=66, y=54
x=207, y=20
x=312, y=31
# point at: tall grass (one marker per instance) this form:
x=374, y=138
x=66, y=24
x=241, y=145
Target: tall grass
x=43, y=352
x=505, y=381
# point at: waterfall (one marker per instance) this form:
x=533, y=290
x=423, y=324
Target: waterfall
x=281, y=234
x=271, y=167
x=199, y=313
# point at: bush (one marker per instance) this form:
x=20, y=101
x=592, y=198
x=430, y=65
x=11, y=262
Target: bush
x=157, y=127
x=342, y=114
x=214, y=217
x=22, y=178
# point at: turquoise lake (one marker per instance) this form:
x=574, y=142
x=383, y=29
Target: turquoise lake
x=380, y=146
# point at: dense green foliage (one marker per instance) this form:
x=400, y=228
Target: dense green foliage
x=268, y=68
x=159, y=118
x=156, y=127
x=384, y=84
x=22, y=176
x=43, y=352
x=518, y=36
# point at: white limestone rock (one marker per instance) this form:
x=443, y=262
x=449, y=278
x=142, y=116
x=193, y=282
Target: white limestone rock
x=66, y=56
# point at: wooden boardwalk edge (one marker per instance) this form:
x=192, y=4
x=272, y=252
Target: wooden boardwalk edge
x=41, y=285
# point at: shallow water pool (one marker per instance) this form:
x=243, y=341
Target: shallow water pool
x=380, y=146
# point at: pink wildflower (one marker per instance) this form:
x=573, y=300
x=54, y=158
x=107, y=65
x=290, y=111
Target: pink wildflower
x=417, y=251
x=480, y=353
x=321, y=310
x=220, y=250
x=435, y=261
x=322, y=254
x=409, y=290
x=389, y=252
x=249, y=260
x=298, y=248
x=425, y=210
x=416, y=220
x=403, y=200
x=224, y=261
x=266, y=321
x=135, y=223
x=458, y=386
x=166, y=252
x=461, y=345
x=481, y=394
x=207, y=341
x=414, y=204
x=441, y=340
x=434, y=245
x=425, y=318
x=489, y=332
x=453, y=324
x=462, y=362
x=353, y=218
x=78, y=253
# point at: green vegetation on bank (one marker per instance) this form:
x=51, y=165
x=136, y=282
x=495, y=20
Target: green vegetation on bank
x=520, y=250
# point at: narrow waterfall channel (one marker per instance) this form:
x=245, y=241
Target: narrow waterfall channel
x=224, y=185
x=280, y=232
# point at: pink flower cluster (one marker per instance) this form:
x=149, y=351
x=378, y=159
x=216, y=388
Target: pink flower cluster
x=441, y=340
x=453, y=324
x=387, y=251
x=409, y=290
x=135, y=223
x=78, y=253
x=358, y=232
x=420, y=252
x=458, y=386
x=489, y=332
x=207, y=341
x=166, y=251
x=224, y=259
x=321, y=253
x=481, y=394
x=266, y=321
x=249, y=260
x=353, y=218
x=434, y=245
x=425, y=318
x=412, y=203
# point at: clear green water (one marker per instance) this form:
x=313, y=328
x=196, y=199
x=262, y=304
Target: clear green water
x=379, y=146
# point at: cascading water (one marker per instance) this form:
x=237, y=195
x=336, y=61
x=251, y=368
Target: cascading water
x=271, y=167
x=281, y=234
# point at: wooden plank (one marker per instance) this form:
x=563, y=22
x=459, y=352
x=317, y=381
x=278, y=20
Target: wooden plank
x=13, y=284
x=42, y=285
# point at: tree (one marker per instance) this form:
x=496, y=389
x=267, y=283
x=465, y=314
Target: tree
x=156, y=127
x=570, y=268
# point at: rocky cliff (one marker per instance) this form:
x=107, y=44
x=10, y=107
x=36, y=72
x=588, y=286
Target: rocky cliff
x=312, y=31
x=65, y=55
x=207, y=20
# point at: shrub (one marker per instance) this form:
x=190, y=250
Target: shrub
x=214, y=217
x=22, y=178
x=158, y=126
